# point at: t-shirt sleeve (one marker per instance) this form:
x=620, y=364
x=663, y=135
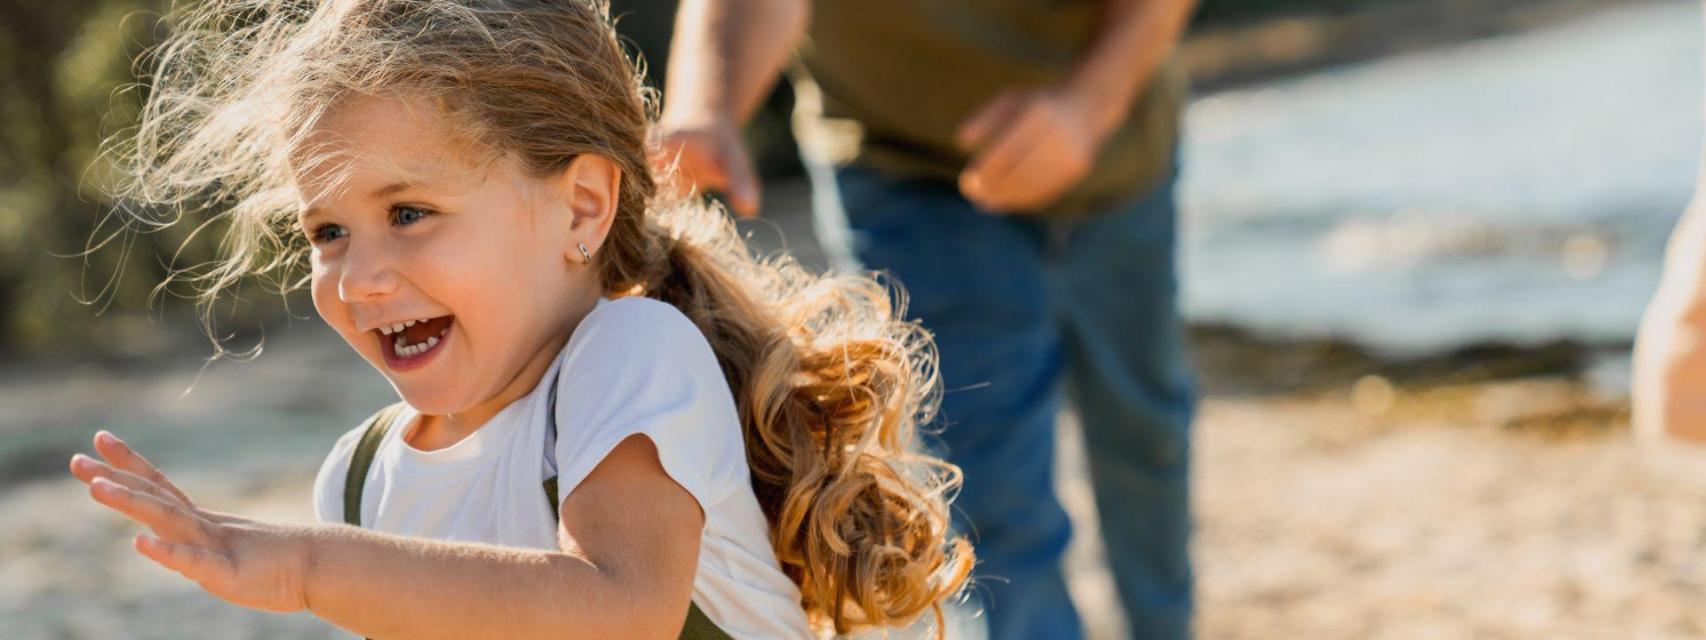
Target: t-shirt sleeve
x=329, y=483
x=639, y=366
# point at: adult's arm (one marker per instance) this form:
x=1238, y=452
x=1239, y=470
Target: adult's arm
x=1135, y=37
x=725, y=57
x=1031, y=146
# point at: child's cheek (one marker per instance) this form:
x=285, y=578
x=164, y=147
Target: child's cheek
x=320, y=283
x=323, y=289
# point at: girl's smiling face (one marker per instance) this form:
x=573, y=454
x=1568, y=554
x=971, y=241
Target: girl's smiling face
x=477, y=265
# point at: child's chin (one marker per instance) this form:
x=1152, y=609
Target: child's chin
x=426, y=398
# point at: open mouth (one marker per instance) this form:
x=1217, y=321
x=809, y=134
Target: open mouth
x=410, y=344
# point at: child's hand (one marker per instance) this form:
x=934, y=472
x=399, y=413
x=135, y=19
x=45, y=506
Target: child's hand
x=253, y=564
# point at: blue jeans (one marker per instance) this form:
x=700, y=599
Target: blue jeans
x=1015, y=302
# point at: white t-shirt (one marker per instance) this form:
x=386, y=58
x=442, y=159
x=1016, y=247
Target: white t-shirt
x=633, y=366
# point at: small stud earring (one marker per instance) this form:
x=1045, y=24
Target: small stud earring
x=584, y=253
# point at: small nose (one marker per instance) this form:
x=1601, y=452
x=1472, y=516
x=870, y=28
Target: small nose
x=369, y=273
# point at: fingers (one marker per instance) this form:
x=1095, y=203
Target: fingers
x=993, y=170
x=742, y=184
x=166, y=519
x=1038, y=179
x=994, y=116
x=87, y=469
x=998, y=159
x=193, y=562
x=121, y=456
x=712, y=160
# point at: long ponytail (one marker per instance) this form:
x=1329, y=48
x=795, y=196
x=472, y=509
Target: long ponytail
x=831, y=384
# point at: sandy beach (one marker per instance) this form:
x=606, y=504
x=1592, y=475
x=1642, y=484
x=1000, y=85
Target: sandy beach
x=1402, y=504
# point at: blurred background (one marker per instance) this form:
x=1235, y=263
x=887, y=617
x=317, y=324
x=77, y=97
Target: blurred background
x=1418, y=236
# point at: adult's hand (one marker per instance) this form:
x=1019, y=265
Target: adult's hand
x=709, y=155
x=1029, y=146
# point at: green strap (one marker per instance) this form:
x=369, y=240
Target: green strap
x=698, y=626
x=356, y=479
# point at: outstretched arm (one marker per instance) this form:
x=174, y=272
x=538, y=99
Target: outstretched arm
x=622, y=572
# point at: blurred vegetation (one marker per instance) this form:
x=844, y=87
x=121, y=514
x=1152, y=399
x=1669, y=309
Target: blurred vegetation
x=64, y=63
x=69, y=82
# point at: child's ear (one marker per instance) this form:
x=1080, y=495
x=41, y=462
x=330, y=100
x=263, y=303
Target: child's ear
x=591, y=188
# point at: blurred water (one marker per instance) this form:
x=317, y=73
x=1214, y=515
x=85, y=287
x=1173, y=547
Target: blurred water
x=1514, y=189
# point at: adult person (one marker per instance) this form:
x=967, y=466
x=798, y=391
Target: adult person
x=1012, y=163
x=1669, y=386
x=1669, y=391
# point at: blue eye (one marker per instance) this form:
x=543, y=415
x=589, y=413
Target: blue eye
x=322, y=233
x=406, y=215
x=401, y=215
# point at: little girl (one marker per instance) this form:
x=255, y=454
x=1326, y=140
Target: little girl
x=615, y=422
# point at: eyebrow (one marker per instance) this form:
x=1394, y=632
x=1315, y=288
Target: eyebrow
x=310, y=212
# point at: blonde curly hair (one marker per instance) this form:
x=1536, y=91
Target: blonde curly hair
x=830, y=381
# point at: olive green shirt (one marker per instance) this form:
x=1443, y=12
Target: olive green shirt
x=887, y=83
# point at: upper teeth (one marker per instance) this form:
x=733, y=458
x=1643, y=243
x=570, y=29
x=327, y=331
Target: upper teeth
x=404, y=349
x=398, y=326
